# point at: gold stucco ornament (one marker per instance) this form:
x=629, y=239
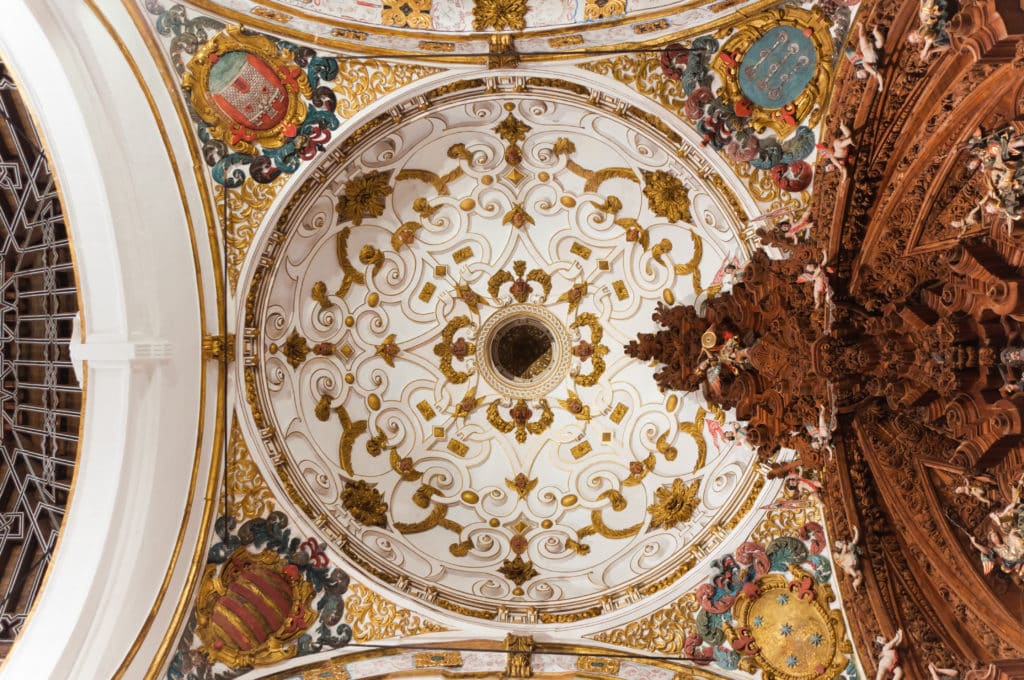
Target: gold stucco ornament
x=364, y=196
x=673, y=504
x=365, y=503
x=667, y=196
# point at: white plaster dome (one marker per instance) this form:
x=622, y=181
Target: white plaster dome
x=434, y=352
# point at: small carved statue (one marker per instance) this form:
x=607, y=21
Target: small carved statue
x=839, y=153
x=821, y=434
x=865, y=59
x=888, y=656
x=802, y=488
x=730, y=432
x=817, y=275
x=931, y=32
x=1005, y=546
x=847, y=556
x=999, y=156
x=987, y=673
x=801, y=229
x=972, y=487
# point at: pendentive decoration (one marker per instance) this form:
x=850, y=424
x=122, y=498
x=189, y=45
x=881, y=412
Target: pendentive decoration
x=261, y=104
x=251, y=608
x=776, y=69
x=265, y=596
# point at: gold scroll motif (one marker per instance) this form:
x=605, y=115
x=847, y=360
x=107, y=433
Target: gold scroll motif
x=247, y=206
x=451, y=348
x=602, y=9
x=663, y=632
x=521, y=419
x=362, y=82
x=520, y=280
x=248, y=494
x=591, y=350
x=373, y=617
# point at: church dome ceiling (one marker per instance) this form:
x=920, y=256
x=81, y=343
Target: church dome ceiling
x=436, y=359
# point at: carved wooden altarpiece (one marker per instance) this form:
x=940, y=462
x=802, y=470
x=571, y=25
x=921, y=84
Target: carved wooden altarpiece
x=910, y=348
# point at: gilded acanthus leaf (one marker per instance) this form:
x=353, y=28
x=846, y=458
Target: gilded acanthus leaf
x=500, y=14
x=364, y=196
x=361, y=82
x=667, y=196
x=517, y=570
x=673, y=504
x=366, y=505
x=663, y=632
x=512, y=130
x=247, y=206
x=295, y=349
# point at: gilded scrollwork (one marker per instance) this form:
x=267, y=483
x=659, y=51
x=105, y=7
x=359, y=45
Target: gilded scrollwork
x=247, y=206
x=466, y=305
x=361, y=82
x=373, y=617
x=248, y=493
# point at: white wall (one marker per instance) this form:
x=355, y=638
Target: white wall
x=138, y=276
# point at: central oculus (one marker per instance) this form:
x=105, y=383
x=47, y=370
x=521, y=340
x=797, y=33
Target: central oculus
x=525, y=351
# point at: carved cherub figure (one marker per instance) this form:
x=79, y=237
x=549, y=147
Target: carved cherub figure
x=888, y=656
x=1005, y=546
x=817, y=275
x=865, y=58
x=932, y=30
x=847, y=556
x=839, y=153
x=987, y=673
x=800, y=230
x=972, y=487
x=939, y=673
x=821, y=434
x=802, y=488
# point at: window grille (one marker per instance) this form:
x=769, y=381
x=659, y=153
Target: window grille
x=40, y=400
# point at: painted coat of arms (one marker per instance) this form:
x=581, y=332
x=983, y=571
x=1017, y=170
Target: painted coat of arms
x=260, y=104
